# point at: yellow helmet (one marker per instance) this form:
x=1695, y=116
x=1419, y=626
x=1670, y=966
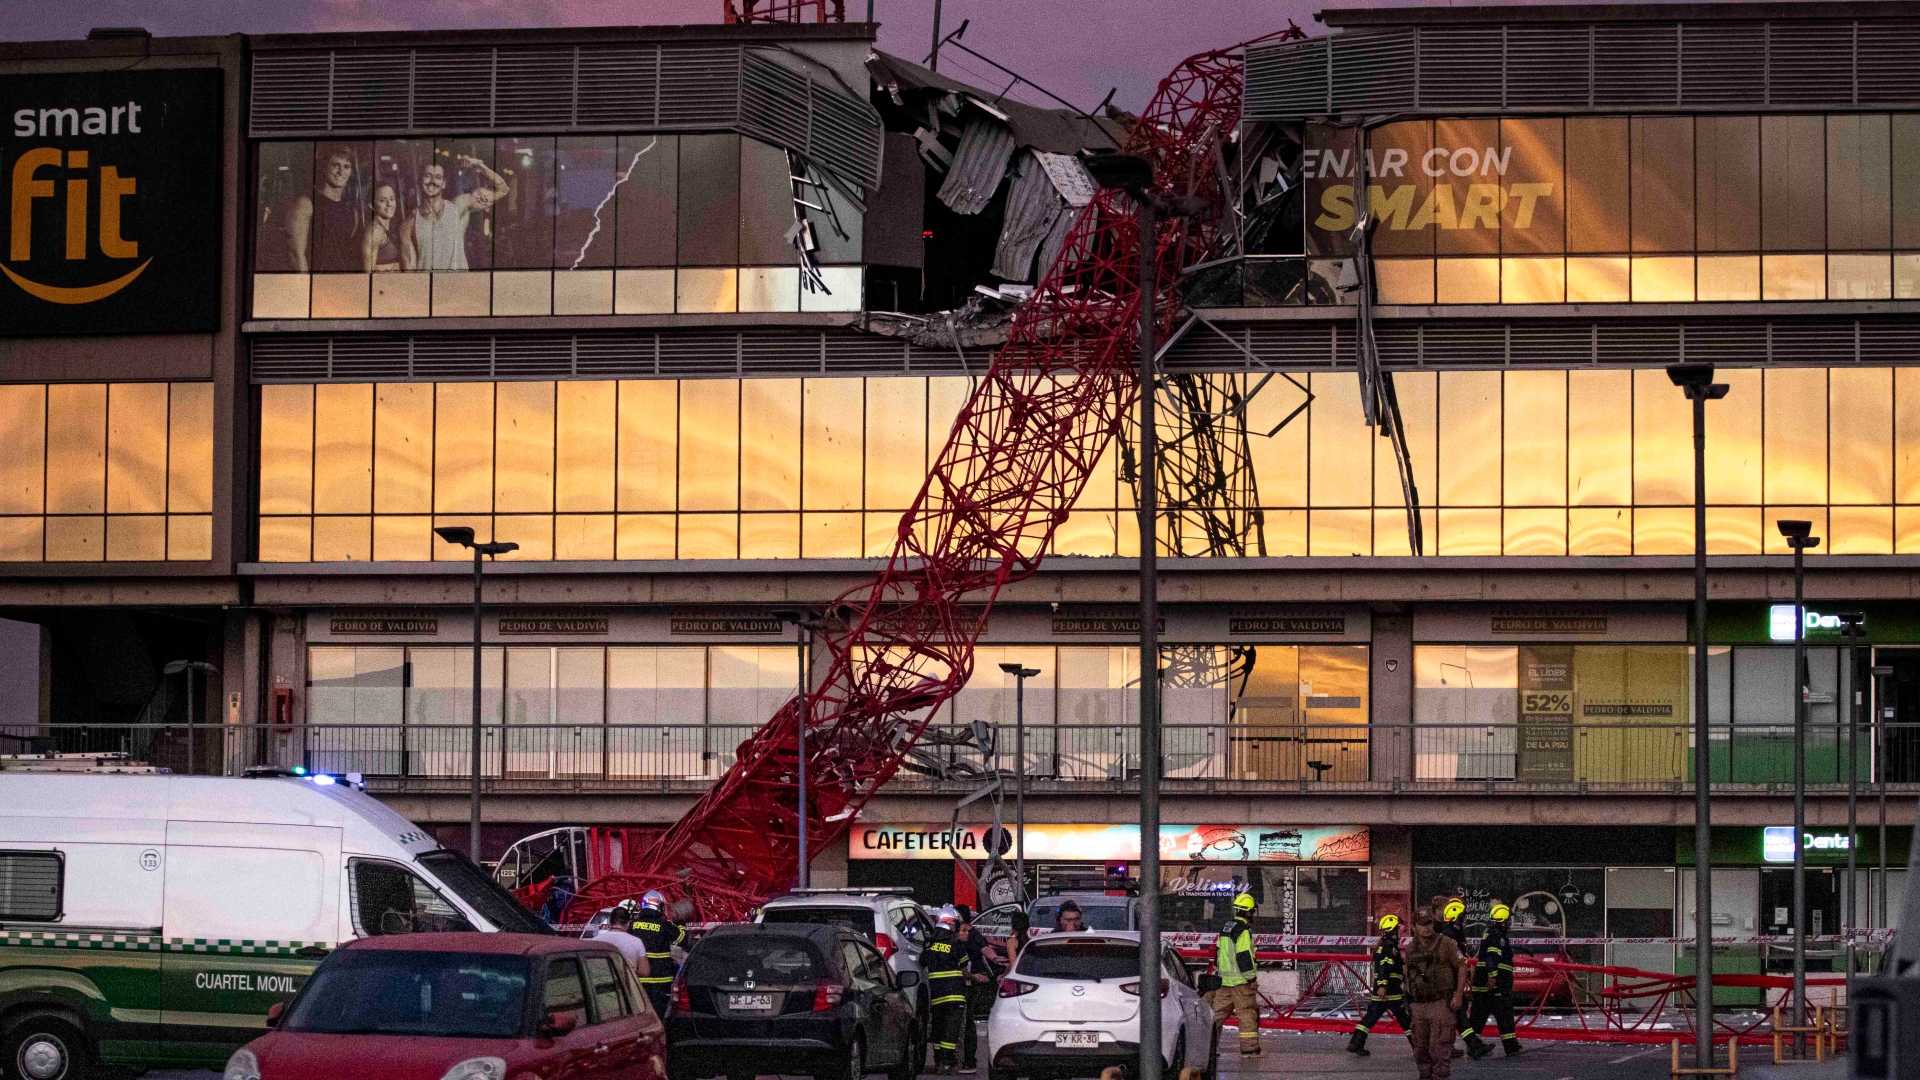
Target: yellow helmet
x=1243, y=902
x=1389, y=922
x=1453, y=910
x=1500, y=913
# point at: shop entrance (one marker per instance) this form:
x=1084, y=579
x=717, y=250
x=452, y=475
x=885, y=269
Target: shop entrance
x=1898, y=698
x=1823, y=916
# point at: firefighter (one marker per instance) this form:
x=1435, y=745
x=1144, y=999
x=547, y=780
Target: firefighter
x=1233, y=962
x=1387, y=996
x=660, y=935
x=946, y=963
x=1493, y=987
x=1453, y=924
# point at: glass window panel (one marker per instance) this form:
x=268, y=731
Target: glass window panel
x=649, y=445
x=946, y=396
x=76, y=449
x=1906, y=435
x=1467, y=281
x=1534, y=532
x=1533, y=185
x=136, y=448
x=75, y=539
x=584, y=454
x=1597, y=184
x=190, y=448
x=342, y=539
x=523, y=447
x=1859, y=530
x=750, y=683
x=709, y=445
x=1399, y=188
x=838, y=231
x=1600, y=531
x=769, y=536
x=281, y=296
x=1469, y=532
x=1859, y=277
x=1666, y=279
x=1906, y=530
x=463, y=448
x=286, y=449
x=766, y=205
x=523, y=292
x=482, y=526
x=643, y=292
x=23, y=430
x=1416, y=391
x=1793, y=277
x=1533, y=281
x=831, y=536
x=770, y=445
x=1662, y=158
x=1535, y=416
x=584, y=214
x=708, y=536
x=1733, y=440
x=644, y=536
x=1860, y=455
x=1599, y=446
x=335, y=210
x=583, y=536
x=1796, y=439
x=706, y=289
x=649, y=686
x=340, y=296
x=454, y=222
x=1341, y=454
x=286, y=539
x=1662, y=441
x=1403, y=281
x=462, y=293
x=1286, y=532
x=285, y=185
x=394, y=194
x=343, y=448
x=533, y=532
x=645, y=204
x=1793, y=157
x=1727, y=170
x=1280, y=459
x=1326, y=173
x=709, y=203
x=1728, y=277
x=403, y=448
x=1904, y=138
x=1775, y=544
x=190, y=537
x=1340, y=532
x=770, y=288
x=583, y=292
x=1733, y=530
x=133, y=538
x=1664, y=530
x=1086, y=533
x=1471, y=177
x=1859, y=184
x=831, y=451
x=402, y=538
x=1598, y=281
x=1267, y=706
x=523, y=218
x=896, y=446
x=1099, y=493
x=1333, y=688
x=1389, y=533
x=1469, y=440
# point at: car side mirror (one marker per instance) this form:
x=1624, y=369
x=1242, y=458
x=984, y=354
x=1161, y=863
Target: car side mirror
x=274, y=1012
x=557, y=1023
x=908, y=979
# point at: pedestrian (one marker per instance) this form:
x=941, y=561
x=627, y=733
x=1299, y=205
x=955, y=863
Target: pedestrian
x=661, y=936
x=1239, y=975
x=619, y=934
x=1068, y=918
x=1493, y=987
x=980, y=988
x=946, y=961
x=1018, y=936
x=1436, y=984
x=1453, y=924
x=1388, y=987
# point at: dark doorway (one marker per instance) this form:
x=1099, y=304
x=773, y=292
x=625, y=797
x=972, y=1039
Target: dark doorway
x=1897, y=697
x=930, y=880
x=1823, y=915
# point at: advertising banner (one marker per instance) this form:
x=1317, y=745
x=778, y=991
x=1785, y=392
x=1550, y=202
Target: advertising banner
x=1115, y=843
x=113, y=207
x=1546, y=712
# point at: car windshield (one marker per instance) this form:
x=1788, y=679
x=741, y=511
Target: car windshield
x=396, y=992
x=731, y=959
x=483, y=894
x=858, y=920
x=1080, y=958
x=1092, y=916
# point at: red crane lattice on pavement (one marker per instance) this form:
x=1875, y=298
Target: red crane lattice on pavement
x=783, y=11
x=1014, y=463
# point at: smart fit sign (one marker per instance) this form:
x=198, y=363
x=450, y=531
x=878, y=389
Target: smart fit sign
x=113, y=202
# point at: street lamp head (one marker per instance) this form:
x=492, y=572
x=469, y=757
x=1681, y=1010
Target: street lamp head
x=1797, y=534
x=1120, y=172
x=497, y=547
x=456, y=534
x=1697, y=381
x=1019, y=670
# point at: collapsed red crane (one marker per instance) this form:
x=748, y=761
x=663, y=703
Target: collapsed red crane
x=1015, y=462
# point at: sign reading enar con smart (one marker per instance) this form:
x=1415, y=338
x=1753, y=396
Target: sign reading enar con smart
x=113, y=202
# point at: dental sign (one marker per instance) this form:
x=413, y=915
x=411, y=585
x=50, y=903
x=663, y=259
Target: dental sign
x=1780, y=623
x=113, y=209
x=1776, y=843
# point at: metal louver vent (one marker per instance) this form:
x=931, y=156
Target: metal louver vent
x=290, y=91
x=452, y=90
x=1776, y=65
x=370, y=90
x=619, y=84
x=533, y=88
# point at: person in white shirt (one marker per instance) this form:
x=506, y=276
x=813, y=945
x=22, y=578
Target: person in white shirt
x=619, y=934
x=436, y=235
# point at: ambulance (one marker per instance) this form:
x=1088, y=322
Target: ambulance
x=152, y=920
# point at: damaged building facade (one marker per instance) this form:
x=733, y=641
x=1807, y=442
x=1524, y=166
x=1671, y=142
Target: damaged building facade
x=685, y=313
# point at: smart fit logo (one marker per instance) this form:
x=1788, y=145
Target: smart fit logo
x=88, y=196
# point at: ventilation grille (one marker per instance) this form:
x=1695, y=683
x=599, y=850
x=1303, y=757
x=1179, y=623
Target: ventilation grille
x=1778, y=64
x=637, y=87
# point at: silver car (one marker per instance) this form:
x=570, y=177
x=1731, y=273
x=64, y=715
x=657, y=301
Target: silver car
x=889, y=918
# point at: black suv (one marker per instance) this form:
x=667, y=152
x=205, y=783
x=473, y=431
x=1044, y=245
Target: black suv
x=791, y=998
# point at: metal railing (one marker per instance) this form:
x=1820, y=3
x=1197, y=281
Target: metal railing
x=1619, y=757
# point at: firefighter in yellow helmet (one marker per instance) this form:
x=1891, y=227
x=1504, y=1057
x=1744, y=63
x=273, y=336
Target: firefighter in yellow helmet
x=1452, y=912
x=1492, y=987
x=1233, y=962
x=1388, y=972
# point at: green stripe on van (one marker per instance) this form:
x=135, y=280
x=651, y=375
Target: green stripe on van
x=152, y=943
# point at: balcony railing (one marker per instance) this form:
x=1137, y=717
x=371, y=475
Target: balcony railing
x=1330, y=757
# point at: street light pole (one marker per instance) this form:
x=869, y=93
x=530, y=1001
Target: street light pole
x=176, y=667
x=463, y=536
x=1020, y=676
x=1696, y=380
x=1798, y=539
x=803, y=628
x=1850, y=624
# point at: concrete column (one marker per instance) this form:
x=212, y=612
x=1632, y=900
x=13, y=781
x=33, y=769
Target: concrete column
x=1390, y=888
x=1392, y=712
x=830, y=865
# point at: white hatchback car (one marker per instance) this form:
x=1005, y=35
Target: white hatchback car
x=1071, y=1007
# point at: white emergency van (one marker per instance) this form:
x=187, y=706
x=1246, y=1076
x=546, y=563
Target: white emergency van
x=153, y=920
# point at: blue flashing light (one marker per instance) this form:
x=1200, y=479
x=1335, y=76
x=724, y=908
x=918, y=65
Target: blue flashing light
x=323, y=780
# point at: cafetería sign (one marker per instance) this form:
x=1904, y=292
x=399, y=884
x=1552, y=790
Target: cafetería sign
x=113, y=207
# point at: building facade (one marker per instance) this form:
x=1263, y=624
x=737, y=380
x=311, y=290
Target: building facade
x=654, y=305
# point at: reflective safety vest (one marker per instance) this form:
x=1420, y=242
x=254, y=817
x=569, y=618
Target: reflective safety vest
x=659, y=934
x=946, y=962
x=1493, y=969
x=1233, y=954
x=1388, y=972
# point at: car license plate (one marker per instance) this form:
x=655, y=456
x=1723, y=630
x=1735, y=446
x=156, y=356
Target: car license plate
x=751, y=1002
x=1076, y=1038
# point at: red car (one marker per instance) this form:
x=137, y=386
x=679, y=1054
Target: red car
x=463, y=1006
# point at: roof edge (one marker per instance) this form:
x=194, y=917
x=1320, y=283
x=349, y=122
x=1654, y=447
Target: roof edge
x=566, y=35
x=1638, y=13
